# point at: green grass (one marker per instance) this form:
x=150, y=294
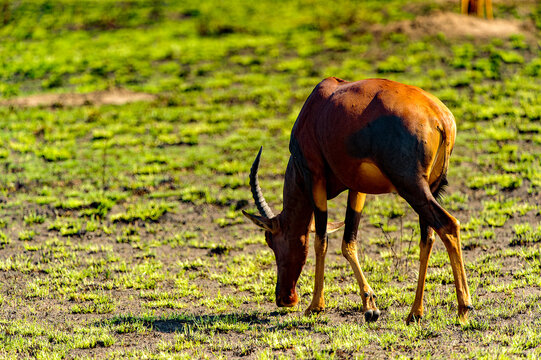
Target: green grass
x=121, y=232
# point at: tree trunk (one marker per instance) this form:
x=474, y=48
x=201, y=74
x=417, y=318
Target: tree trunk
x=4, y=10
x=474, y=8
x=477, y=7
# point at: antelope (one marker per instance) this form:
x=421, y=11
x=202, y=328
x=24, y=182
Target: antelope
x=374, y=136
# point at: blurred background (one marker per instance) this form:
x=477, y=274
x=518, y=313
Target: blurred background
x=226, y=78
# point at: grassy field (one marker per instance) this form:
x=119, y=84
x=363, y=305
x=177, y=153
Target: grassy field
x=121, y=232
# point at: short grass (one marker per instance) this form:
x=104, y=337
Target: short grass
x=121, y=232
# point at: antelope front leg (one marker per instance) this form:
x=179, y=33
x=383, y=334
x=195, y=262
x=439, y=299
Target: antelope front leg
x=318, y=300
x=349, y=250
x=371, y=312
x=319, y=194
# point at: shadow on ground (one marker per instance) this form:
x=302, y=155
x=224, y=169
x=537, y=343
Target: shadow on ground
x=179, y=323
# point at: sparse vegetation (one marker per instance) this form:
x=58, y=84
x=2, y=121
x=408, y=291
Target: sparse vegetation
x=121, y=234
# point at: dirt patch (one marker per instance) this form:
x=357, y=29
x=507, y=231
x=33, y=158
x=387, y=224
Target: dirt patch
x=455, y=26
x=111, y=97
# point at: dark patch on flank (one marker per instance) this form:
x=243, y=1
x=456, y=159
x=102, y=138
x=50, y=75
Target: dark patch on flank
x=395, y=150
x=386, y=138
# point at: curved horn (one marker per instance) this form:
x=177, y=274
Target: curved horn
x=259, y=199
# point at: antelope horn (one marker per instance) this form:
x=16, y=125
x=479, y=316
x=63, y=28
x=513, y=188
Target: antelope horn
x=259, y=199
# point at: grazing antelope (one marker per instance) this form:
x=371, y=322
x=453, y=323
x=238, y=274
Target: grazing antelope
x=370, y=137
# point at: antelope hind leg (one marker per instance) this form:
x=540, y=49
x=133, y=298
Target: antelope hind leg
x=427, y=240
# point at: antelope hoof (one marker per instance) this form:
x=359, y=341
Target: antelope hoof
x=413, y=318
x=463, y=313
x=372, y=315
x=314, y=310
x=369, y=302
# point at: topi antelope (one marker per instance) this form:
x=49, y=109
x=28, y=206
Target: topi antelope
x=370, y=137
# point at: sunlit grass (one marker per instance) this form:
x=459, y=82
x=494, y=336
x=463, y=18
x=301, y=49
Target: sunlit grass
x=121, y=231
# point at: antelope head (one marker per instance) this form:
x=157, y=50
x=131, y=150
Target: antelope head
x=286, y=233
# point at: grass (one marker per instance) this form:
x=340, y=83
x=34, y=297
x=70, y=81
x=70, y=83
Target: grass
x=121, y=233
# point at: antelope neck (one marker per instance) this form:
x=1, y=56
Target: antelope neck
x=298, y=208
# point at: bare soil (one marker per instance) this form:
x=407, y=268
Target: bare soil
x=202, y=219
x=107, y=97
x=455, y=26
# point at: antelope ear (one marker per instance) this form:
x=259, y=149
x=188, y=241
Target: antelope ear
x=331, y=227
x=262, y=222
